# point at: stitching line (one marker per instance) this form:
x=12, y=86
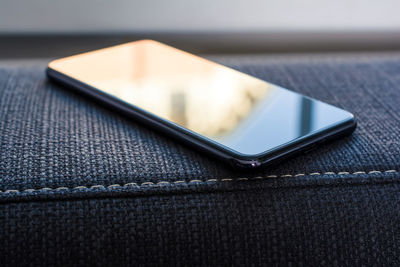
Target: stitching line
x=161, y=183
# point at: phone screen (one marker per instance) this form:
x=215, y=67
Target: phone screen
x=240, y=112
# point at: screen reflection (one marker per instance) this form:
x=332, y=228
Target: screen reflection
x=236, y=110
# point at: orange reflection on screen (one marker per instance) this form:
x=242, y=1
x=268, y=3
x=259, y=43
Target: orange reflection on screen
x=195, y=93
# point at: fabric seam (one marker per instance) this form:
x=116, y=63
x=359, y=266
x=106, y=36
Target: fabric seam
x=162, y=183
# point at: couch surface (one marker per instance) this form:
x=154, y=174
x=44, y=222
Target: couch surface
x=81, y=185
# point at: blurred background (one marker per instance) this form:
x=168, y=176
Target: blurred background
x=49, y=28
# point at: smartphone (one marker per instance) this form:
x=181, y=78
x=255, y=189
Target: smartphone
x=230, y=115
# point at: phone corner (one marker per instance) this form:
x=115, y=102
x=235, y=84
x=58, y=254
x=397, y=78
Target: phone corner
x=245, y=163
x=49, y=72
x=352, y=123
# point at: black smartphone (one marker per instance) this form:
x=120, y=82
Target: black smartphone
x=228, y=114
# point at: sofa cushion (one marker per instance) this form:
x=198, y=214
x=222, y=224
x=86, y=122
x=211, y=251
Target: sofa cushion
x=80, y=183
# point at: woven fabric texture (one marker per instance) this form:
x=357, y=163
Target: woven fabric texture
x=81, y=185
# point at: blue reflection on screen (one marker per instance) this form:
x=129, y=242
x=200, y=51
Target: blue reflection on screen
x=281, y=117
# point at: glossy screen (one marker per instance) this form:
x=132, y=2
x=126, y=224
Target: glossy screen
x=238, y=111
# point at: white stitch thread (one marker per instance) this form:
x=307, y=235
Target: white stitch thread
x=130, y=184
x=46, y=189
x=80, y=187
x=163, y=182
x=195, y=181
x=98, y=186
x=61, y=188
x=30, y=190
x=113, y=185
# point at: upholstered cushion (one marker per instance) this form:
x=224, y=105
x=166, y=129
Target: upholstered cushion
x=83, y=185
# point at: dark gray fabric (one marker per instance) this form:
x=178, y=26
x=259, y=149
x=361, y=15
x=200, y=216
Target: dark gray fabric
x=313, y=226
x=82, y=185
